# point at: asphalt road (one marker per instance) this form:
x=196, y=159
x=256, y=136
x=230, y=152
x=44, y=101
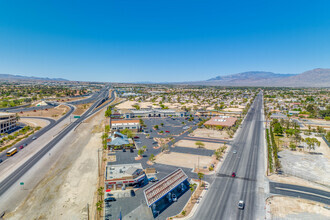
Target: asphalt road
x=14, y=177
x=300, y=192
x=221, y=200
x=38, y=133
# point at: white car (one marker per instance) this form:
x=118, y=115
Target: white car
x=241, y=204
x=174, y=198
x=234, y=152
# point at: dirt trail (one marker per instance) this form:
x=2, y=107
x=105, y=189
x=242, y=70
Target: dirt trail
x=71, y=182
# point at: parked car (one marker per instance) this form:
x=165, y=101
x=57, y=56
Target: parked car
x=233, y=174
x=34, y=138
x=131, y=150
x=152, y=179
x=241, y=204
x=167, y=131
x=132, y=193
x=174, y=198
x=155, y=142
x=136, y=137
x=25, y=145
x=0, y=160
x=124, y=150
x=21, y=147
x=234, y=152
x=110, y=199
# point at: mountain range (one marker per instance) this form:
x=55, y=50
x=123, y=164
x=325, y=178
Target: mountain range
x=13, y=78
x=312, y=78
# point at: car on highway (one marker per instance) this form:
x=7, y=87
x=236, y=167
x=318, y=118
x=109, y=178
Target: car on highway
x=34, y=138
x=241, y=204
x=110, y=199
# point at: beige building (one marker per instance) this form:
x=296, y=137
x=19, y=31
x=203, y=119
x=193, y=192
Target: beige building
x=7, y=122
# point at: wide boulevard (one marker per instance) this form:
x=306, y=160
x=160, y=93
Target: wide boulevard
x=223, y=196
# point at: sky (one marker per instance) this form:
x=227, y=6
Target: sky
x=162, y=40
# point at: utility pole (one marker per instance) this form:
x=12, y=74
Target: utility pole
x=87, y=211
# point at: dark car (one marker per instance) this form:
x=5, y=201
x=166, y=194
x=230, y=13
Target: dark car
x=233, y=174
x=24, y=145
x=136, y=137
x=132, y=193
x=155, y=142
x=110, y=199
x=0, y=160
x=131, y=150
x=124, y=150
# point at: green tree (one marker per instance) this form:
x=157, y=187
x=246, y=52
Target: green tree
x=152, y=157
x=199, y=144
x=311, y=143
x=192, y=189
x=278, y=129
x=200, y=176
x=292, y=146
x=140, y=152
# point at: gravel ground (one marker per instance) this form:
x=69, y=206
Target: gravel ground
x=312, y=167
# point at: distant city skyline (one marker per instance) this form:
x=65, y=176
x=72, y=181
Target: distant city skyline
x=162, y=41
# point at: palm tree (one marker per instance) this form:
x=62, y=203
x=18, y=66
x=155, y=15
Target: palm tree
x=100, y=191
x=192, y=188
x=200, y=176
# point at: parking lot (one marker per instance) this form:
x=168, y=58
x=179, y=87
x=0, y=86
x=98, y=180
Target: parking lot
x=132, y=207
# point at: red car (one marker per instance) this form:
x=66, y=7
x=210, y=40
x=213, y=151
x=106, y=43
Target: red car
x=21, y=147
x=233, y=174
x=167, y=131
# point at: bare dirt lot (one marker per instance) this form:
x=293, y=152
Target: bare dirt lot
x=192, y=144
x=33, y=122
x=71, y=182
x=209, y=133
x=183, y=160
x=294, y=208
x=54, y=113
x=80, y=109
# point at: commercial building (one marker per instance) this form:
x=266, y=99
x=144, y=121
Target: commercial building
x=118, y=140
x=123, y=175
x=120, y=124
x=223, y=121
x=145, y=113
x=160, y=195
x=8, y=122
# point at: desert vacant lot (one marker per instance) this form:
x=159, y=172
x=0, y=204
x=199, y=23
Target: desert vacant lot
x=183, y=160
x=294, y=208
x=54, y=113
x=34, y=122
x=208, y=133
x=191, y=144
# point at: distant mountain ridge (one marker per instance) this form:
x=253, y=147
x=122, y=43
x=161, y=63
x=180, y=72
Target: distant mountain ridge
x=251, y=75
x=10, y=77
x=313, y=78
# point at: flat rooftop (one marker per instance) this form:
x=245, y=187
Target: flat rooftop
x=119, y=171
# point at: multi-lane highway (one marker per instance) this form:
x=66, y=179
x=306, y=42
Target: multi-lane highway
x=223, y=196
x=14, y=176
